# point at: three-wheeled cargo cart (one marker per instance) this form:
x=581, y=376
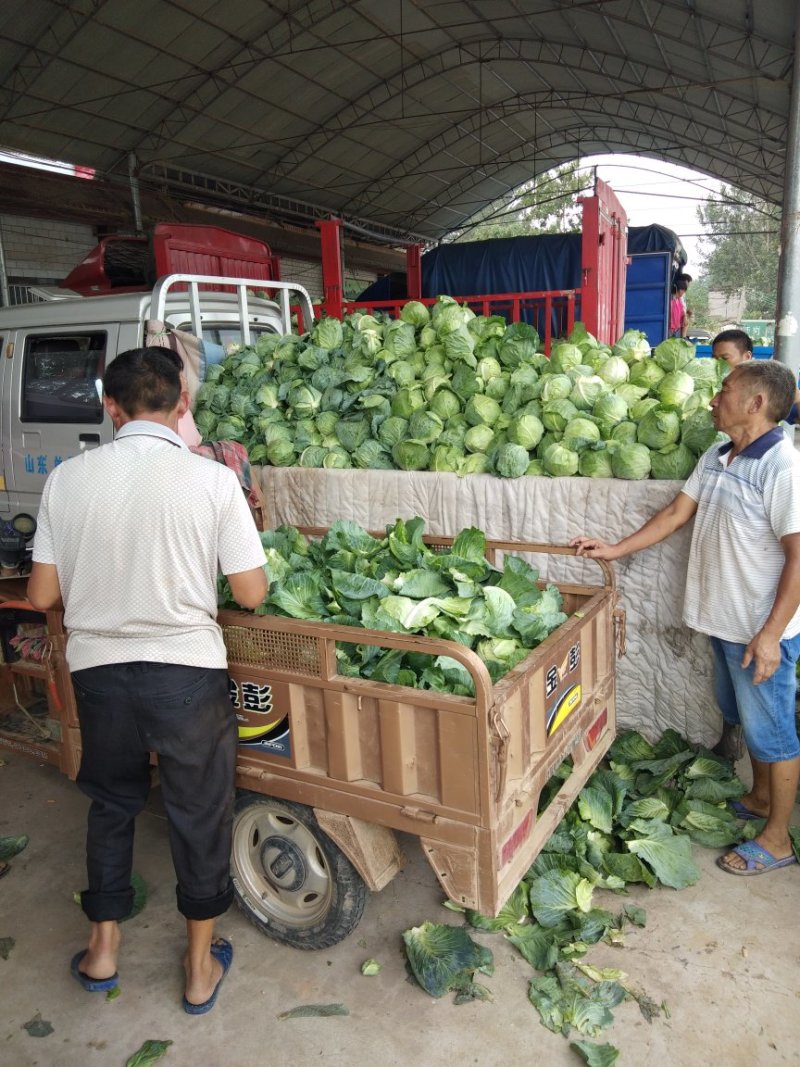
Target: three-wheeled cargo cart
x=330, y=767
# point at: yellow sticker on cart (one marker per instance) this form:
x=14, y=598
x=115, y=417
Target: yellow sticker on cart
x=569, y=702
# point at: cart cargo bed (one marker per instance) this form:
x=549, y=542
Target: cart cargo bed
x=463, y=774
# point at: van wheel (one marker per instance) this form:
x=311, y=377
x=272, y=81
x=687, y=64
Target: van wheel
x=291, y=880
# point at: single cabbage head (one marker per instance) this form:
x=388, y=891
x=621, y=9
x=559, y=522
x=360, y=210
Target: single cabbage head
x=415, y=313
x=659, y=427
x=632, y=346
x=304, y=400
x=563, y=356
x=479, y=438
x=631, y=462
x=402, y=371
x=624, y=433
x=641, y=407
x=580, y=433
x=675, y=462
x=427, y=337
x=459, y=345
x=337, y=459
x=554, y=387
x=676, y=387
x=444, y=403
x=609, y=410
x=488, y=368
x=646, y=373
x=411, y=455
x=327, y=334
x=613, y=371
x=706, y=372
x=560, y=462
x=673, y=353
x=476, y=463
x=482, y=409
x=595, y=463
x=425, y=425
x=446, y=458
x=406, y=401
x=497, y=387
x=392, y=430
x=557, y=413
x=511, y=461
x=630, y=393
x=526, y=430
x=698, y=432
x=588, y=388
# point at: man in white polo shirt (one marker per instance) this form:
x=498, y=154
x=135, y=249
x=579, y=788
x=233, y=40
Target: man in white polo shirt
x=743, y=590
x=131, y=537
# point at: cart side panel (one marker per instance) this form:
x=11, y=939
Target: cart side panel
x=350, y=736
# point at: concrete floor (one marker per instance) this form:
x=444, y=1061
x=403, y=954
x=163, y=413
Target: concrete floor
x=723, y=955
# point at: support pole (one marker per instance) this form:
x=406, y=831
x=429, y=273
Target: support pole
x=787, y=329
x=332, y=285
x=134, y=183
x=5, y=296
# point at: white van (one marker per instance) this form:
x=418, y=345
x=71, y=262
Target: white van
x=54, y=354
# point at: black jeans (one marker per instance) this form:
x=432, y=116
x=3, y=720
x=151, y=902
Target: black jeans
x=126, y=711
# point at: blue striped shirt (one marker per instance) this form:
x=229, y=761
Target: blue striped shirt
x=743, y=510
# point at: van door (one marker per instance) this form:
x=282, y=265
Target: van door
x=55, y=406
x=5, y=439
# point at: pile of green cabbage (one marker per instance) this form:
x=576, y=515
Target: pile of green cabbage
x=399, y=584
x=447, y=390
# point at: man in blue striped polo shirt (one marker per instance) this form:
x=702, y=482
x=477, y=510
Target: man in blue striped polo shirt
x=743, y=589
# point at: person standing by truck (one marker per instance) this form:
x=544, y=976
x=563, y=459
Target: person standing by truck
x=131, y=536
x=745, y=494
x=734, y=346
x=679, y=313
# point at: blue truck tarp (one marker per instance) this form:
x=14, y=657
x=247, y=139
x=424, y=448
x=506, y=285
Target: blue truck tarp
x=537, y=263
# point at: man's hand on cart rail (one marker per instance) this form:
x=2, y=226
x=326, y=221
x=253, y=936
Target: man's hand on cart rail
x=594, y=548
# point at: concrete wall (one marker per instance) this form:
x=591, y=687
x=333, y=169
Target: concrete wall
x=42, y=248
x=310, y=275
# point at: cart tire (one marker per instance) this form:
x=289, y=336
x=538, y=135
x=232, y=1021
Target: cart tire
x=290, y=879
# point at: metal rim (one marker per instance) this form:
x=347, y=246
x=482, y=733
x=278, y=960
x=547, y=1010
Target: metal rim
x=281, y=868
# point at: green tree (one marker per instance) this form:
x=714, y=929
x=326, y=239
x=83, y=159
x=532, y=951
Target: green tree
x=547, y=204
x=742, y=246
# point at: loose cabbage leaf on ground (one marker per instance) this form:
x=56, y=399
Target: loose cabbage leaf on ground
x=444, y=958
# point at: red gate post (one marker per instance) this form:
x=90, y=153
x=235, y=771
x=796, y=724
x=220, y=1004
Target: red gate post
x=603, y=254
x=332, y=286
x=414, y=272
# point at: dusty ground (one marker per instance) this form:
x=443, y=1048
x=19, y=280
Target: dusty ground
x=723, y=957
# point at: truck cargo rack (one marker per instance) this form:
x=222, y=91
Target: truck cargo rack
x=170, y=283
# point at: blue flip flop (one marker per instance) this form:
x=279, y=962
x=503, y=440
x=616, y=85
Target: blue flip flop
x=742, y=812
x=222, y=951
x=753, y=854
x=91, y=985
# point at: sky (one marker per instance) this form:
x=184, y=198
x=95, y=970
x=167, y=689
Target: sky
x=655, y=192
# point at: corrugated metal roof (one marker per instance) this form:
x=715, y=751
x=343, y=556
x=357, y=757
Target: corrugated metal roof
x=408, y=116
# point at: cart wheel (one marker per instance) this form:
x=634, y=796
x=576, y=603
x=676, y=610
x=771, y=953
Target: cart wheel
x=291, y=880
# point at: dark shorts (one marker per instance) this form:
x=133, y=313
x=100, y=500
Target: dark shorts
x=185, y=716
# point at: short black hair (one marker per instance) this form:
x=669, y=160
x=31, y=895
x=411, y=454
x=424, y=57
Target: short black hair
x=144, y=379
x=737, y=337
x=776, y=380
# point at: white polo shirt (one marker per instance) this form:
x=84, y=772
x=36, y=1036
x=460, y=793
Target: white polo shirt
x=743, y=510
x=138, y=531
